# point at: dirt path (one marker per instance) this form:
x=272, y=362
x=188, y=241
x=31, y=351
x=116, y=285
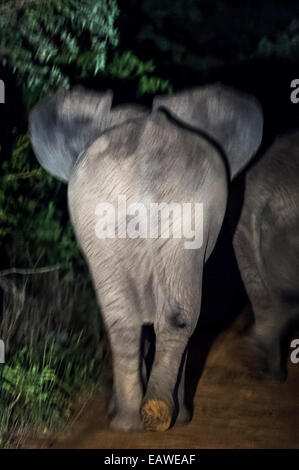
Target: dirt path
x=231, y=410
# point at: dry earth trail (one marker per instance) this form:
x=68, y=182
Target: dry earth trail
x=231, y=409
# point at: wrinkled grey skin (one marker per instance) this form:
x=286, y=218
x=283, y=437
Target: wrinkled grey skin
x=266, y=243
x=156, y=155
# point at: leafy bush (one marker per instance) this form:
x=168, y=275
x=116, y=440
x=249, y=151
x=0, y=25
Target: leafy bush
x=127, y=65
x=48, y=41
x=51, y=43
x=34, y=227
x=49, y=365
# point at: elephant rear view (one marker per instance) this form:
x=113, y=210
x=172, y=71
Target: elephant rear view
x=147, y=193
x=266, y=243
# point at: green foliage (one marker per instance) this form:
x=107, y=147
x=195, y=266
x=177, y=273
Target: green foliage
x=53, y=353
x=51, y=43
x=152, y=85
x=36, y=389
x=42, y=394
x=48, y=41
x=33, y=223
x=127, y=65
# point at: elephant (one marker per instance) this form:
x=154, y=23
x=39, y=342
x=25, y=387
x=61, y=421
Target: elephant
x=186, y=148
x=266, y=244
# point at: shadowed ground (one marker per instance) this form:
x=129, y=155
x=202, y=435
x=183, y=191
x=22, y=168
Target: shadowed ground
x=231, y=409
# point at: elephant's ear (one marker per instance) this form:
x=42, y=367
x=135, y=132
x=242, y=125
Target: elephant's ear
x=64, y=125
x=233, y=119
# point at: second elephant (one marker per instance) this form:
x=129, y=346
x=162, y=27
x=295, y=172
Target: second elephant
x=266, y=243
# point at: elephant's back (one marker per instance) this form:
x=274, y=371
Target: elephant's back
x=148, y=160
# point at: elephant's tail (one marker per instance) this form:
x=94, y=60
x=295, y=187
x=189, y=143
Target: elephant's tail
x=64, y=125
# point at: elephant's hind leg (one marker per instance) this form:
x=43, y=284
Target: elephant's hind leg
x=124, y=326
x=173, y=328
